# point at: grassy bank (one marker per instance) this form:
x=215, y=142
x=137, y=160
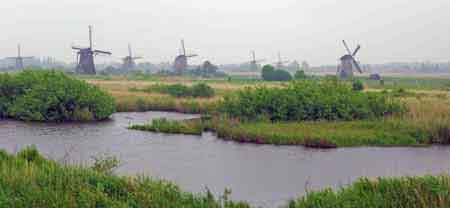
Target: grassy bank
x=411, y=192
x=29, y=180
x=320, y=134
x=426, y=121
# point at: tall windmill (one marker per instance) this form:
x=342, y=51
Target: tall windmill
x=19, y=58
x=280, y=63
x=181, y=61
x=348, y=61
x=128, y=61
x=85, y=57
x=254, y=64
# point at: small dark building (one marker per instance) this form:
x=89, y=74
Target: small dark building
x=375, y=77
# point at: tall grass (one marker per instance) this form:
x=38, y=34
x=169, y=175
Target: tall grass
x=29, y=180
x=320, y=134
x=410, y=192
x=164, y=125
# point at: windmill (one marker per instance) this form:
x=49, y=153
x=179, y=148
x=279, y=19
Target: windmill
x=128, y=61
x=19, y=59
x=181, y=61
x=280, y=63
x=348, y=61
x=85, y=57
x=294, y=66
x=254, y=64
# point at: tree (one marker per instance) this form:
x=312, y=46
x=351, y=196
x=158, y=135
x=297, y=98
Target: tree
x=300, y=75
x=269, y=73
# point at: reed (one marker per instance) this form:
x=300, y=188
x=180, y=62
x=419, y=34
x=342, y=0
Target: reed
x=29, y=180
x=411, y=192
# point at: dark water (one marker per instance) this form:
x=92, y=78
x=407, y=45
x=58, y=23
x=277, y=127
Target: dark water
x=263, y=175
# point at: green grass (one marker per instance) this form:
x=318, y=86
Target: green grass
x=163, y=125
x=320, y=134
x=416, y=83
x=326, y=134
x=408, y=192
x=29, y=180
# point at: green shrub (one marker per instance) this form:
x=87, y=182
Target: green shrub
x=269, y=73
x=300, y=75
x=52, y=96
x=179, y=90
x=309, y=100
x=357, y=85
x=202, y=90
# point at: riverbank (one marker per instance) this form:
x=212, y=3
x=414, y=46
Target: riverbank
x=427, y=120
x=29, y=180
x=411, y=192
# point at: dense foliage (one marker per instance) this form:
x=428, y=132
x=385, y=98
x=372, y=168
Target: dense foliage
x=52, y=96
x=179, y=90
x=412, y=192
x=269, y=73
x=29, y=180
x=358, y=85
x=309, y=100
x=300, y=74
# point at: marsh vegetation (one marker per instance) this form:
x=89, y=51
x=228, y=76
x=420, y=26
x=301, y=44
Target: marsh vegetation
x=52, y=97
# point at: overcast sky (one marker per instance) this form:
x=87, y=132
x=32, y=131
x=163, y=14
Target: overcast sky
x=224, y=31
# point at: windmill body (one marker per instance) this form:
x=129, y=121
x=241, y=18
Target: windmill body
x=346, y=67
x=129, y=62
x=19, y=59
x=254, y=63
x=280, y=63
x=85, y=57
x=181, y=61
x=348, y=63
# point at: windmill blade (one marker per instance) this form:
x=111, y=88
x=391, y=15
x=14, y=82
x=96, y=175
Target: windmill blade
x=183, y=48
x=137, y=57
x=28, y=57
x=357, y=65
x=102, y=52
x=129, y=50
x=10, y=57
x=77, y=47
x=346, y=47
x=356, y=50
x=190, y=56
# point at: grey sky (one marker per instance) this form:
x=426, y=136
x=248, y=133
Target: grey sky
x=225, y=31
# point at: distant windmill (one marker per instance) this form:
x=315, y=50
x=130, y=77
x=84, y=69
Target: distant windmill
x=295, y=66
x=19, y=59
x=280, y=63
x=181, y=61
x=254, y=64
x=128, y=61
x=345, y=69
x=85, y=57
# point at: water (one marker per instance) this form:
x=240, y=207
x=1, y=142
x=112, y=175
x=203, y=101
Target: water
x=263, y=175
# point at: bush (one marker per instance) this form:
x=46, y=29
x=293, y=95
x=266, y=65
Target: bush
x=309, y=100
x=179, y=90
x=300, y=75
x=52, y=96
x=358, y=85
x=269, y=73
